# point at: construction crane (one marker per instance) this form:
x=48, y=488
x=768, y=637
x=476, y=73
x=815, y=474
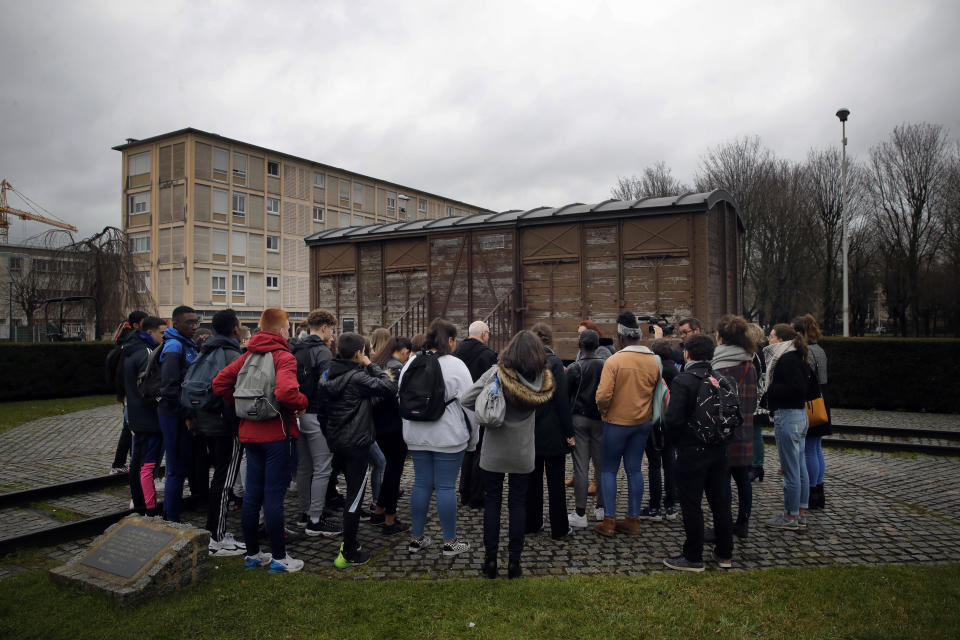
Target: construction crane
x=24, y=215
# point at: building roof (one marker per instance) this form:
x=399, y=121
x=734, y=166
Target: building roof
x=273, y=152
x=576, y=212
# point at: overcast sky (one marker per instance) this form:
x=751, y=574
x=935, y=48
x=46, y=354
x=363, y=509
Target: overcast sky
x=500, y=104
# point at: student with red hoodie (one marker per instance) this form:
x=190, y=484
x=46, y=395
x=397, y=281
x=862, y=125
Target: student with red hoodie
x=266, y=443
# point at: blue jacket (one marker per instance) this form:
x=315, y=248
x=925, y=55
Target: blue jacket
x=141, y=414
x=178, y=352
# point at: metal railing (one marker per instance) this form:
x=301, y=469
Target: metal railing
x=413, y=320
x=501, y=322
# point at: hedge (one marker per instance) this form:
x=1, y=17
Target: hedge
x=893, y=373
x=52, y=370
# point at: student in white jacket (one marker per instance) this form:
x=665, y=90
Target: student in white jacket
x=437, y=448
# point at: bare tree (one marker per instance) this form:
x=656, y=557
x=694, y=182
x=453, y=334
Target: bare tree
x=657, y=181
x=909, y=176
x=43, y=275
x=740, y=167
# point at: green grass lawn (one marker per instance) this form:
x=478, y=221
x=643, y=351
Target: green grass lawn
x=835, y=602
x=13, y=414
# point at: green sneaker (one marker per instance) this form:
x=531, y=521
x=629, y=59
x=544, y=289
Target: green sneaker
x=343, y=562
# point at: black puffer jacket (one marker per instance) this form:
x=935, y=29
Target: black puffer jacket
x=477, y=356
x=347, y=389
x=553, y=423
x=583, y=376
x=313, y=356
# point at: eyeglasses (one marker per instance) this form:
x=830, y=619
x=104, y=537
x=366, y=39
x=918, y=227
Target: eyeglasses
x=684, y=332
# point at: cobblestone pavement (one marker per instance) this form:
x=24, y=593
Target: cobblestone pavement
x=902, y=419
x=880, y=509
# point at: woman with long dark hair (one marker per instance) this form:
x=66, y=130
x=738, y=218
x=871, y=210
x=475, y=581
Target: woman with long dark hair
x=527, y=384
x=788, y=378
x=813, y=451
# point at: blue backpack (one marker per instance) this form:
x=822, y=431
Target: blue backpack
x=196, y=393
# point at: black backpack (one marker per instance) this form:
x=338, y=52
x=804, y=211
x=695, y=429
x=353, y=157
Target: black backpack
x=422, y=392
x=148, y=380
x=716, y=414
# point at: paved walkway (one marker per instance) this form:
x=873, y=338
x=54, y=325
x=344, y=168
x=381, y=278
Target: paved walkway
x=880, y=509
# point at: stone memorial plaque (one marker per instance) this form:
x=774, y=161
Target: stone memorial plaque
x=128, y=550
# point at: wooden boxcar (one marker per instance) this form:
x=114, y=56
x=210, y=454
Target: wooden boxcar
x=677, y=255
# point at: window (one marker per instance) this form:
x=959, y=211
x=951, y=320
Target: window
x=273, y=168
x=238, y=284
x=318, y=214
x=138, y=203
x=218, y=283
x=221, y=160
x=140, y=242
x=344, y=219
x=239, y=208
x=344, y=191
x=273, y=206
x=16, y=264
x=138, y=164
x=358, y=193
x=239, y=249
x=239, y=165
x=318, y=180
x=220, y=200
x=219, y=245
x=273, y=282
x=273, y=244
x=391, y=201
x=449, y=211
x=143, y=283
x=422, y=205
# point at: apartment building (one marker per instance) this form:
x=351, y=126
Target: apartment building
x=215, y=222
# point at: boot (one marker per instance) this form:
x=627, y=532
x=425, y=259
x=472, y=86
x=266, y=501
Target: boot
x=756, y=473
x=629, y=526
x=741, y=528
x=606, y=527
x=513, y=568
x=820, y=499
x=816, y=498
x=490, y=565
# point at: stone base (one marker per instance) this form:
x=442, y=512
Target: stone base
x=122, y=563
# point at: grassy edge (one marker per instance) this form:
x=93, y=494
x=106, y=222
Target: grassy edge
x=19, y=412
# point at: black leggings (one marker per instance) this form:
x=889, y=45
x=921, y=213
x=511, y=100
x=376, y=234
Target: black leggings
x=355, y=461
x=395, y=451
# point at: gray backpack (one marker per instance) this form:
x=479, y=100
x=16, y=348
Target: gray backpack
x=253, y=395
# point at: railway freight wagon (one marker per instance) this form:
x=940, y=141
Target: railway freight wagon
x=677, y=255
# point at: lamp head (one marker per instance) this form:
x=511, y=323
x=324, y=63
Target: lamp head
x=843, y=114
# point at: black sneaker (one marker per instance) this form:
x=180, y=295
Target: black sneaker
x=303, y=520
x=377, y=518
x=396, y=527
x=337, y=502
x=682, y=564
x=322, y=528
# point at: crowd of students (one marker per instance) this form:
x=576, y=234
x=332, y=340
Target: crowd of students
x=315, y=407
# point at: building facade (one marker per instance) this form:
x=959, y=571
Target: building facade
x=215, y=222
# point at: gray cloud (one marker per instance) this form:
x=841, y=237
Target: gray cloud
x=504, y=105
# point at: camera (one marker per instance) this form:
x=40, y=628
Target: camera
x=661, y=320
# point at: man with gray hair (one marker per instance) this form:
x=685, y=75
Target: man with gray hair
x=479, y=358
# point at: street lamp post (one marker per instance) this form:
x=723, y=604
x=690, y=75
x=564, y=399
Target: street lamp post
x=843, y=114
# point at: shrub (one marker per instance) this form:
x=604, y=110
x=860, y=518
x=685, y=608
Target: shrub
x=52, y=369
x=893, y=373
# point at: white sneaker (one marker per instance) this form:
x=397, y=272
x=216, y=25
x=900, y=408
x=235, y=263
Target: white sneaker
x=576, y=520
x=598, y=514
x=416, y=545
x=455, y=548
x=227, y=546
x=260, y=560
x=286, y=565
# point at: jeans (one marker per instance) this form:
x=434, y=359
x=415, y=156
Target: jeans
x=661, y=486
x=395, y=451
x=627, y=443
x=435, y=471
x=790, y=430
x=704, y=470
x=313, y=467
x=516, y=507
x=178, y=447
x=589, y=437
x=268, y=476
x=813, y=453
x=559, y=523
x=355, y=461
x=378, y=462
x=741, y=476
x=146, y=450
x=223, y=451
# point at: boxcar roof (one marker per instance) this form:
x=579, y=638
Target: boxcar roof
x=576, y=212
